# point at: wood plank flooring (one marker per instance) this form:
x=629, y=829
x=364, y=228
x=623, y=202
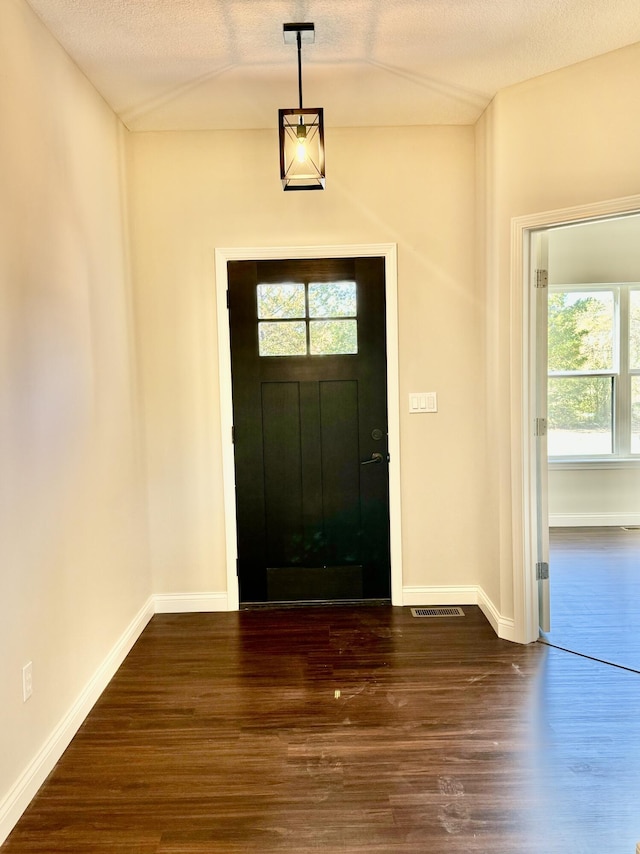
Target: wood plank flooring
x=595, y=593
x=346, y=730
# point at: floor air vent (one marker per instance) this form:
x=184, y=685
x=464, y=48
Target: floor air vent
x=444, y=611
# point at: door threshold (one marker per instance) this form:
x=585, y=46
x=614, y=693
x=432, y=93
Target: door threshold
x=347, y=603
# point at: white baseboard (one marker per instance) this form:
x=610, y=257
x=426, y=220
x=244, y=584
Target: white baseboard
x=471, y=594
x=440, y=595
x=187, y=603
x=504, y=627
x=34, y=775
x=593, y=520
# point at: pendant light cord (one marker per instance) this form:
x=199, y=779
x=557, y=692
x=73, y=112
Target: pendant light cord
x=300, y=68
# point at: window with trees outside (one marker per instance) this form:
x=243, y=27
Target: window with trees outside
x=593, y=389
x=307, y=318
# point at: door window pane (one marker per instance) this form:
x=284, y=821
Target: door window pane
x=332, y=299
x=634, y=330
x=333, y=337
x=580, y=416
x=284, y=312
x=280, y=301
x=282, y=338
x=581, y=331
x=635, y=415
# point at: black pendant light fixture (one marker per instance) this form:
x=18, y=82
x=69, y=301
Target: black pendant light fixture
x=301, y=130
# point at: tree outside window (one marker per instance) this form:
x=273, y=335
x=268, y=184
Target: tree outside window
x=594, y=375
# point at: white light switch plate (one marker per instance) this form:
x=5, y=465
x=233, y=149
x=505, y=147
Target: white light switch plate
x=423, y=401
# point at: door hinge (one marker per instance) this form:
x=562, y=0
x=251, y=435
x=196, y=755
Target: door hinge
x=227, y=298
x=540, y=427
x=238, y=567
x=233, y=435
x=542, y=571
x=542, y=278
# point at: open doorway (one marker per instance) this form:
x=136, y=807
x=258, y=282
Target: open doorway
x=588, y=435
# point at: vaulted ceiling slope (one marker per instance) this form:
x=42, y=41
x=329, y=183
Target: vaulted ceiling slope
x=223, y=64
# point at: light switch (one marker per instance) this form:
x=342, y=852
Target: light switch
x=423, y=401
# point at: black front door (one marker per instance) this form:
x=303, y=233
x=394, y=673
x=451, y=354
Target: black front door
x=308, y=359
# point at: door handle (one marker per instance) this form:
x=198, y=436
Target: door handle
x=375, y=458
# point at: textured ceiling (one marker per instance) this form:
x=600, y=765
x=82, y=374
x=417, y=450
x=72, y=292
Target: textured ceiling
x=208, y=64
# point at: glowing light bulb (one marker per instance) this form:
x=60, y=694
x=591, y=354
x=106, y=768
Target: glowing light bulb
x=301, y=147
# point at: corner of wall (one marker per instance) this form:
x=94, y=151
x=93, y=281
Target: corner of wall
x=20, y=795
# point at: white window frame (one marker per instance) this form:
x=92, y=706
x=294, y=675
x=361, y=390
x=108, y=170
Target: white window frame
x=620, y=373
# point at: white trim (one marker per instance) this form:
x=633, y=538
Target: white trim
x=594, y=520
x=471, y=594
x=389, y=252
x=582, y=464
x=34, y=775
x=504, y=627
x=189, y=603
x=416, y=597
x=523, y=497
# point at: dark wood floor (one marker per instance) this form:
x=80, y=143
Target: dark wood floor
x=595, y=593
x=346, y=730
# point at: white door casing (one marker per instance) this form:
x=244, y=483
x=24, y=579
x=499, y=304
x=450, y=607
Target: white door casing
x=539, y=290
x=525, y=499
x=388, y=251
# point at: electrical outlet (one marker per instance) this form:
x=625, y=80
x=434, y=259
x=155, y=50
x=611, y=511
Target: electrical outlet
x=27, y=681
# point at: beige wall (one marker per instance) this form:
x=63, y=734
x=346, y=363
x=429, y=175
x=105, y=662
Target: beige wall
x=73, y=546
x=566, y=139
x=193, y=192
x=606, y=251
x=594, y=496
x=76, y=566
